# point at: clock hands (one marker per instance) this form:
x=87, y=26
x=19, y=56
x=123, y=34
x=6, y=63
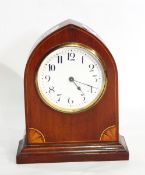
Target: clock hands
x=73, y=80
x=85, y=84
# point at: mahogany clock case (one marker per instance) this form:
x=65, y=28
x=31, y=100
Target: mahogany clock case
x=53, y=136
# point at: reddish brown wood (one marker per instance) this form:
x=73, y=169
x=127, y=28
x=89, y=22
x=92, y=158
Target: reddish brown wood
x=72, y=152
x=59, y=128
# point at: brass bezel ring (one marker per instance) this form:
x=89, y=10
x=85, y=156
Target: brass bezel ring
x=92, y=103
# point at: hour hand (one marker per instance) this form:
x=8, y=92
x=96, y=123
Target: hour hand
x=71, y=79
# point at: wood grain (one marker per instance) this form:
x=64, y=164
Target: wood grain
x=108, y=134
x=72, y=152
x=35, y=136
x=60, y=127
x=63, y=128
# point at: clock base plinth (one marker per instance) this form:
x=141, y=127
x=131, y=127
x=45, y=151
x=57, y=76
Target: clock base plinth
x=72, y=152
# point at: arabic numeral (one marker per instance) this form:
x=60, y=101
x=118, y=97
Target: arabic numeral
x=70, y=101
x=47, y=78
x=59, y=59
x=95, y=76
x=51, y=67
x=91, y=67
x=71, y=56
x=59, y=97
x=51, y=89
x=83, y=95
x=82, y=59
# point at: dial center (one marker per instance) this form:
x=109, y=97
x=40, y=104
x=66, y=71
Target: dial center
x=71, y=79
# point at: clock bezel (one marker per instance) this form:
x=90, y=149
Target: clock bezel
x=93, y=102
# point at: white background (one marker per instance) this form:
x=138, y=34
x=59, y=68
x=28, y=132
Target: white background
x=121, y=25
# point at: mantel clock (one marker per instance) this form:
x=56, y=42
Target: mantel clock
x=71, y=99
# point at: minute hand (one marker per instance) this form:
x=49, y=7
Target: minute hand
x=85, y=84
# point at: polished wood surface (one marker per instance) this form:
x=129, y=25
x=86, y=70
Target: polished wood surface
x=84, y=126
x=108, y=134
x=62, y=128
x=102, y=151
x=35, y=136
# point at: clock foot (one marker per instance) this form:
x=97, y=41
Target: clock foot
x=72, y=152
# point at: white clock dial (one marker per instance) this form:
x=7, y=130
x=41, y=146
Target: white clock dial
x=71, y=78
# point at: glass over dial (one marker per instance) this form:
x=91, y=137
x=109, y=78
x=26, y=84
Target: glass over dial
x=71, y=78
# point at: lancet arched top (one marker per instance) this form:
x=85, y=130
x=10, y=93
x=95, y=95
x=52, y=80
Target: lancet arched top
x=70, y=31
x=66, y=32
x=92, y=134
